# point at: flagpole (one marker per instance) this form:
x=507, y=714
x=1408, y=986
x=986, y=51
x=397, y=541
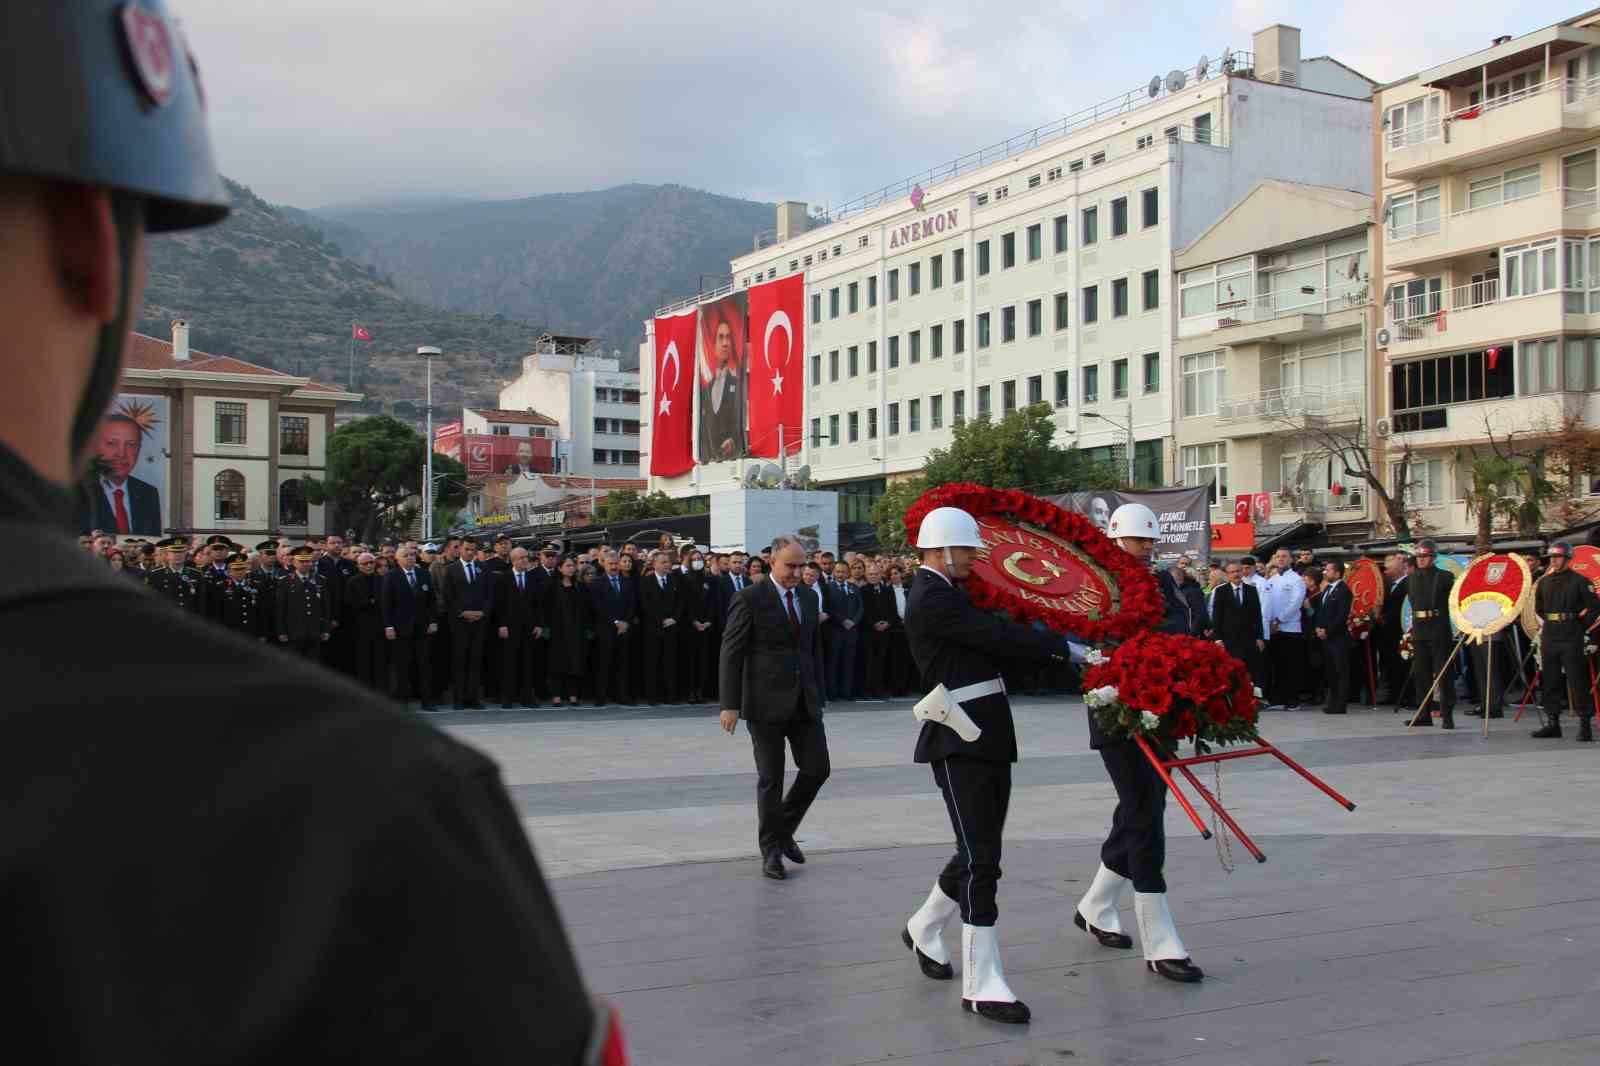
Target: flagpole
x=352, y=383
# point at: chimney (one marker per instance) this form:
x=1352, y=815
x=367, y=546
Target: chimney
x=180, y=340
x=1277, y=51
x=792, y=220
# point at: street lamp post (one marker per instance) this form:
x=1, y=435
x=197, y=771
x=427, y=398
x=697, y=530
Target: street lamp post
x=1126, y=427
x=428, y=353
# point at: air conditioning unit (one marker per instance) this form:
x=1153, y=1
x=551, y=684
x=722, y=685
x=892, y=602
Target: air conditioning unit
x=1383, y=427
x=1383, y=336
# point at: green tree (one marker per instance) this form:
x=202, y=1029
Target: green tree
x=627, y=505
x=374, y=466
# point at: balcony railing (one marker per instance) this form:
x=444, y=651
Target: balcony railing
x=1570, y=198
x=1413, y=312
x=1295, y=401
x=1270, y=305
x=1578, y=94
x=1322, y=501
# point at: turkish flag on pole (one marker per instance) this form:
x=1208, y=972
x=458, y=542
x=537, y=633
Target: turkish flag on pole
x=672, y=393
x=360, y=333
x=777, y=365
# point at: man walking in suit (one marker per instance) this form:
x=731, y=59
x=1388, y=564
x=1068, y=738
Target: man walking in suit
x=612, y=597
x=516, y=611
x=1394, y=673
x=662, y=608
x=845, y=612
x=1236, y=621
x=408, y=623
x=468, y=603
x=771, y=676
x=1332, y=622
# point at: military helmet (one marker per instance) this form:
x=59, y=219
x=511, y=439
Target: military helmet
x=1427, y=547
x=106, y=93
x=1561, y=548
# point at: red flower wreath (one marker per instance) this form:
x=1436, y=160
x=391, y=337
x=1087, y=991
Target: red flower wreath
x=1141, y=605
x=1195, y=689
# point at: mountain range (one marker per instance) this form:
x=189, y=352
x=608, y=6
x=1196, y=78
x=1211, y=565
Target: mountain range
x=281, y=286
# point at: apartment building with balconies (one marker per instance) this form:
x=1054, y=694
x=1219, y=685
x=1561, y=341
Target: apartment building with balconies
x=1275, y=307
x=1489, y=255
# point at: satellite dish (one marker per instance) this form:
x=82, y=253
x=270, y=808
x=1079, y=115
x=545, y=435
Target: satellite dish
x=769, y=475
x=1201, y=67
x=1227, y=61
x=802, y=477
x=1176, y=80
x=1154, y=88
x=752, y=476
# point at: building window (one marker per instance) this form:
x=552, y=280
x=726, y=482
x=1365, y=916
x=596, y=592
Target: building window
x=1035, y=317
x=294, y=435
x=983, y=401
x=1150, y=203
x=1002, y=192
x=958, y=336
x=894, y=420
x=872, y=423
x=1063, y=387
x=894, y=285
x=914, y=347
x=1091, y=225
x=983, y=330
x=1008, y=397
x=853, y=421
x=1119, y=379
x=1508, y=187
x=872, y=357
x=1119, y=298
x=1207, y=464
x=1215, y=288
x=1063, y=309
x=1035, y=389
x=1578, y=179
x=1205, y=379
x=1063, y=228
x=1539, y=364
x=1465, y=377
x=500, y=431
x=913, y=279
x=1414, y=121
x=936, y=341
x=1414, y=214
x=1119, y=217
x=872, y=291
x=853, y=359
x=1035, y=242
x=853, y=297
x=1008, y=251
x=602, y=457
x=292, y=508
x=936, y=412
x=1008, y=324
x=1425, y=484
x=936, y=272
x=1097, y=158
x=1147, y=463
x=833, y=430
x=958, y=407
x=833, y=365
x=894, y=352
x=1090, y=392
x=816, y=369
x=1526, y=269
x=816, y=432
x=1418, y=298
x=958, y=266
x=983, y=258
x=1075, y=166
x=1091, y=305
x=816, y=308
x=230, y=422
x=1152, y=372
x=913, y=416
x=1202, y=129
x=1144, y=140
x=1152, y=289
x=228, y=489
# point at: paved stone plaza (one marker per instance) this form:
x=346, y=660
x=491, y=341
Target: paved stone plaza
x=1453, y=917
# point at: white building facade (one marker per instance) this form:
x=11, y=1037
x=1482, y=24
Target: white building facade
x=1044, y=276
x=593, y=400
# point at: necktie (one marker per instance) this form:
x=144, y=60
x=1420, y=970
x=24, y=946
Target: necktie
x=411, y=579
x=616, y=586
x=470, y=575
x=663, y=581
x=1239, y=594
x=122, y=514
x=794, y=617
x=519, y=580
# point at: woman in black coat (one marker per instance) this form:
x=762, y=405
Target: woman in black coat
x=698, y=653
x=566, y=618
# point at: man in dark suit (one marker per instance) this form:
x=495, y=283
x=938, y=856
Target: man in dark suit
x=468, y=603
x=409, y=620
x=1236, y=621
x=729, y=585
x=956, y=647
x=302, y=613
x=771, y=676
x=1333, y=629
x=845, y=611
x=335, y=570
x=1395, y=672
x=612, y=598
x=544, y=576
x=516, y=611
x=662, y=608
x=498, y=565
x=878, y=619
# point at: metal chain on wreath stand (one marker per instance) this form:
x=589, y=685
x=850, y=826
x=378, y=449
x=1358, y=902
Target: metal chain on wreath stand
x=1219, y=831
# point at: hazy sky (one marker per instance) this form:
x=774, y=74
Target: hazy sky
x=326, y=101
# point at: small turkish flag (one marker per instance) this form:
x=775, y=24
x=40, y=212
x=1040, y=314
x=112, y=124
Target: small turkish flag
x=360, y=333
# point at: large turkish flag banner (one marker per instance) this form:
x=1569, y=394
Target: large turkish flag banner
x=777, y=369
x=671, y=424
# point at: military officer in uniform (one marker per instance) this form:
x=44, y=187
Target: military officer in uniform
x=303, y=613
x=238, y=601
x=1428, y=588
x=1566, y=604
x=175, y=582
x=956, y=647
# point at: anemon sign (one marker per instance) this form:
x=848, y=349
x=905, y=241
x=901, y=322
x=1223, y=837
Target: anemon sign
x=931, y=226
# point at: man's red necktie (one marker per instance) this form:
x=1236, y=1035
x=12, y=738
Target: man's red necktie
x=122, y=513
x=794, y=619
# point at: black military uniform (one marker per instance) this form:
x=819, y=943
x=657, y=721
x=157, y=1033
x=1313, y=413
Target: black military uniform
x=303, y=611
x=1428, y=588
x=213, y=576
x=180, y=586
x=238, y=601
x=1567, y=605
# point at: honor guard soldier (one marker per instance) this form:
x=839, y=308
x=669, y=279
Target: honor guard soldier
x=970, y=741
x=1566, y=604
x=1135, y=851
x=302, y=610
x=1428, y=588
x=175, y=582
x=239, y=601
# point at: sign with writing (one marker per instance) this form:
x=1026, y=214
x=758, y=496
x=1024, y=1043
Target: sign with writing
x=934, y=225
x=1184, y=514
x=1489, y=595
x=1043, y=569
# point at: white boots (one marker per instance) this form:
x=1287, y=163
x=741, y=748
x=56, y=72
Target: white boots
x=1164, y=952
x=1097, y=910
x=983, y=979
x=924, y=934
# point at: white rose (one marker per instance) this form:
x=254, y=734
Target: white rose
x=1103, y=696
x=1096, y=657
x=1149, y=721
x=1257, y=691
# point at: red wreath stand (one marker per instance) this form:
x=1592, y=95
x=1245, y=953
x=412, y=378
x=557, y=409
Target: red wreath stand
x=1045, y=564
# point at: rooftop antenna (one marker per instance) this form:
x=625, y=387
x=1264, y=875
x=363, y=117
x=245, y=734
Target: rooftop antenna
x=1201, y=67
x=1176, y=80
x=1154, y=88
x=1227, y=61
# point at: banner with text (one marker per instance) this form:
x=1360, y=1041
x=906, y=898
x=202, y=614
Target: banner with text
x=672, y=419
x=1184, y=514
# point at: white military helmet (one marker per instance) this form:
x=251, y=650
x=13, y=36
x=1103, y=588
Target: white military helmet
x=949, y=527
x=1134, y=520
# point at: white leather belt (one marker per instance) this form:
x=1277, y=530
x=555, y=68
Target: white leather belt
x=993, y=687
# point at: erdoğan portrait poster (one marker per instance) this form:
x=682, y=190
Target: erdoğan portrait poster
x=720, y=356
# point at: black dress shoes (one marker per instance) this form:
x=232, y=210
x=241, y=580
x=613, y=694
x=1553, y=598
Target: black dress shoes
x=1011, y=1013
x=1107, y=940
x=772, y=866
x=1447, y=720
x=938, y=971
x=1181, y=970
x=792, y=852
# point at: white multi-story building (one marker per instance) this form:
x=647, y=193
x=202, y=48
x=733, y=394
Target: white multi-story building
x=593, y=400
x=1040, y=270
